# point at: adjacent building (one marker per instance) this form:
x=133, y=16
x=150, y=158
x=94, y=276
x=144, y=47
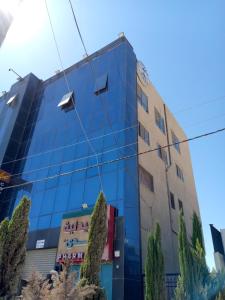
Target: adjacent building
x=103, y=117
x=218, y=238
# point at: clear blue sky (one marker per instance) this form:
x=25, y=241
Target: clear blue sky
x=182, y=44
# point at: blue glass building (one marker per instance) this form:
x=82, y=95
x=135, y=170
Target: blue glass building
x=65, y=139
x=44, y=148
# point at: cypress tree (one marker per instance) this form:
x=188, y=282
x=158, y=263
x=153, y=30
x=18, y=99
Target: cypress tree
x=185, y=286
x=197, y=232
x=154, y=268
x=13, y=239
x=89, y=272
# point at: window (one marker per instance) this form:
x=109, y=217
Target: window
x=144, y=134
x=159, y=121
x=180, y=203
x=11, y=100
x=142, y=98
x=175, y=141
x=101, y=84
x=162, y=154
x=179, y=173
x=146, y=178
x=172, y=201
x=67, y=103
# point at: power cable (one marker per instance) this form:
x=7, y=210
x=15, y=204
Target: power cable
x=67, y=162
x=69, y=90
x=68, y=146
x=115, y=160
x=220, y=98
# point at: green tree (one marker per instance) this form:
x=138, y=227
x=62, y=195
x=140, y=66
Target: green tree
x=90, y=268
x=13, y=237
x=185, y=287
x=154, y=268
x=197, y=232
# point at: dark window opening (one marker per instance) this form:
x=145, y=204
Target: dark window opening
x=142, y=98
x=146, y=178
x=101, y=84
x=162, y=154
x=180, y=205
x=159, y=121
x=144, y=134
x=175, y=141
x=172, y=201
x=179, y=173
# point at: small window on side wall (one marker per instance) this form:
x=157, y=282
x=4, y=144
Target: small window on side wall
x=172, y=201
x=101, y=84
x=67, y=102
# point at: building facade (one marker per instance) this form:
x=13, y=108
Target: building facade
x=218, y=238
x=58, y=135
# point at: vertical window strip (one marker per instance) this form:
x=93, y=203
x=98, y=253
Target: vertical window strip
x=175, y=140
x=159, y=120
x=142, y=98
x=144, y=134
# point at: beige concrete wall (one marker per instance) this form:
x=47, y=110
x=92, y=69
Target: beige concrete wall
x=155, y=205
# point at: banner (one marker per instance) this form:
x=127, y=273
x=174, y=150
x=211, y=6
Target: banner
x=74, y=236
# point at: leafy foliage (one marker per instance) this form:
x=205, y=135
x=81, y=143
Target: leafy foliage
x=154, y=268
x=13, y=237
x=96, y=242
x=61, y=287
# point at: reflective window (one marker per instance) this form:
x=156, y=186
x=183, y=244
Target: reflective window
x=101, y=84
x=179, y=173
x=162, y=154
x=175, y=141
x=159, y=121
x=44, y=222
x=144, y=134
x=48, y=202
x=142, y=98
x=146, y=178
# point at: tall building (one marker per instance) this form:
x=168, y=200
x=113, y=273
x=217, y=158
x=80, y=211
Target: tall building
x=218, y=238
x=59, y=134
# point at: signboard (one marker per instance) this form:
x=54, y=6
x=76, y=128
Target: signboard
x=4, y=179
x=4, y=176
x=74, y=236
x=40, y=244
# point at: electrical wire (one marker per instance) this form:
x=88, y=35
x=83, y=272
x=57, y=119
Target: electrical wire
x=69, y=90
x=114, y=160
x=68, y=146
x=200, y=104
x=67, y=162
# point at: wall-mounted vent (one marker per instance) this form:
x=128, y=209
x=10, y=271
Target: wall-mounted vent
x=11, y=100
x=67, y=102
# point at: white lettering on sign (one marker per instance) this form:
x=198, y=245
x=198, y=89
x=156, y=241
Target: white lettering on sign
x=40, y=244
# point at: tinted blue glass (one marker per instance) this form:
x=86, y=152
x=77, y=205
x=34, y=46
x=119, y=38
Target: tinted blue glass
x=36, y=201
x=61, y=199
x=92, y=188
x=110, y=186
x=76, y=195
x=113, y=110
x=56, y=220
x=48, y=202
x=33, y=224
x=44, y=222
